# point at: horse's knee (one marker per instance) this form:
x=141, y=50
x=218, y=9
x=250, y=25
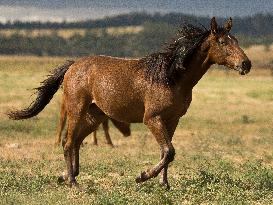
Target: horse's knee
x=170, y=153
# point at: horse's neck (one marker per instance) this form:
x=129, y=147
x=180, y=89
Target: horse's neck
x=196, y=68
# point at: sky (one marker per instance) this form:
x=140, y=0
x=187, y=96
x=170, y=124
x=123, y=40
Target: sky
x=72, y=10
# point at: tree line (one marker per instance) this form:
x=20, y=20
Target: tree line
x=158, y=29
x=152, y=38
x=257, y=25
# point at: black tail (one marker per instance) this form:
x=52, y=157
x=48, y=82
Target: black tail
x=44, y=93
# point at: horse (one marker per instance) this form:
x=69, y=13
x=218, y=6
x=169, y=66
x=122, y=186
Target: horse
x=155, y=89
x=124, y=128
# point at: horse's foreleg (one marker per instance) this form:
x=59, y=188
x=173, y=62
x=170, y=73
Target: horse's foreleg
x=164, y=175
x=106, y=133
x=171, y=126
x=158, y=128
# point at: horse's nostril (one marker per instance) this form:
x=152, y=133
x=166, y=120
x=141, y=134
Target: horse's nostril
x=246, y=64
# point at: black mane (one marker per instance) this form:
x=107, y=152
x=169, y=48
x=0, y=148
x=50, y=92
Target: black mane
x=163, y=66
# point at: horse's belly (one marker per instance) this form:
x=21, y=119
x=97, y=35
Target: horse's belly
x=120, y=107
x=118, y=94
x=123, y=113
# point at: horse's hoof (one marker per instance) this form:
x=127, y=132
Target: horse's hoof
x=61, y=179
x=165, y=185
x=141, y=178
x=74, y=184
x=110, y=144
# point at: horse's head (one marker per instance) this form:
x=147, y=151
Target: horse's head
x=223, y=48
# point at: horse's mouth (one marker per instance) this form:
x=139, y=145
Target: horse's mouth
x=240, y=69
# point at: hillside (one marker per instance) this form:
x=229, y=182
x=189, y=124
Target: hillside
x=134, y=34
x=259, y=24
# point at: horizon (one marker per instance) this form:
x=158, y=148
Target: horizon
x=71, y=11
x=120, y=14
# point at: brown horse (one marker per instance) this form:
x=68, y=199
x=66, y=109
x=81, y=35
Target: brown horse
x=155, y=90
x=123, y=127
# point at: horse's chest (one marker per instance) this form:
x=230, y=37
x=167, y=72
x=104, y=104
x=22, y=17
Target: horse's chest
x=183, y=103
x=185, y=107
x=170, y=105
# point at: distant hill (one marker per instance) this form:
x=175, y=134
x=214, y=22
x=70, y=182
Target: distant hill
x=256, y=25
x=142, y=34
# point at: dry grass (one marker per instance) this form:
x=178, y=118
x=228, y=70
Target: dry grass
x=261, y=54
x=223, y=146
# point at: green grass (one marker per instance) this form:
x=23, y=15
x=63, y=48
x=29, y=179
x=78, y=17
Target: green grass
x=262, y=94
x=223, y=147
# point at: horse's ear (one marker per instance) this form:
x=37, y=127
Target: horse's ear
x=228, y=25
x=213, y=26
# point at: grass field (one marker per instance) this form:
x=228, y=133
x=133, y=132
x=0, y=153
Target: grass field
x=223, y=146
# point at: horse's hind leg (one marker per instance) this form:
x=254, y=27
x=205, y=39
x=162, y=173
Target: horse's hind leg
x=64, y=137
x=82, y=135
x=61, y=124
x=94, y=118
x=76, y=148
x=76, y=111
x=74, y=155
x=106, y=133
x=73, y=128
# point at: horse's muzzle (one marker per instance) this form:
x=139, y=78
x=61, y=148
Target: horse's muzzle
x=245, y=67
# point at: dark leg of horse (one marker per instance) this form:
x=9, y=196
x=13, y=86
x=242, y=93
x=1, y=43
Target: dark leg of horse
x=76, y=113
x=87, y=129
x=158, y=128
x=64, y=138
x=61, y=124
x=95, y=117
x=164, y=175
x=73, y=128
x=82, y=135
x=95, y=140
x=171, y=126
x=106, y=133
x=62, y=178
x=123, y=127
